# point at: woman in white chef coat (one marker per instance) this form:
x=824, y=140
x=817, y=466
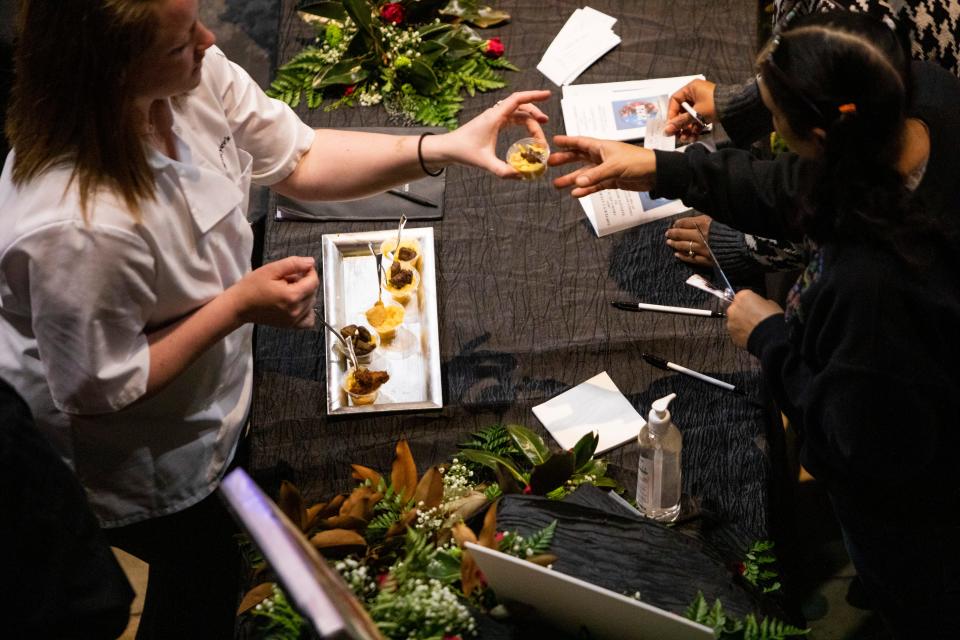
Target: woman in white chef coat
x=126, y=296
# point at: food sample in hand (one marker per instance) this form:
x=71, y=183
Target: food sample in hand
x=401, y=281
x=409, y=251
x=364, y=342
x=529, y=157
x=385, y=318
x=363, y=385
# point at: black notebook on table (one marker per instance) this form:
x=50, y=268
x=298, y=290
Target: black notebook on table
x=423, y=201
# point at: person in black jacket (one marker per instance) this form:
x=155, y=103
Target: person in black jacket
x=864, y=359
x=60, y=579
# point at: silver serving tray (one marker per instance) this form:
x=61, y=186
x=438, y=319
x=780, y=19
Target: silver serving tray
x=412, y=358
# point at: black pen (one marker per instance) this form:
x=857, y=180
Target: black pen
x=661, y=308
x=412, y=197
x=660, y=363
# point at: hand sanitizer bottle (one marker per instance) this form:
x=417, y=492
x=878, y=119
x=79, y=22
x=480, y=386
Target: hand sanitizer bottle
x=658, y=476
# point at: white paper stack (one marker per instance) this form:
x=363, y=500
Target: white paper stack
x=592, y=406
x=586, y=36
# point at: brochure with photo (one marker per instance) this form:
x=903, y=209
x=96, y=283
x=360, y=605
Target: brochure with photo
x=617, y=110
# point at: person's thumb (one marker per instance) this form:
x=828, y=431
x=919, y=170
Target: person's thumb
x=291, y=267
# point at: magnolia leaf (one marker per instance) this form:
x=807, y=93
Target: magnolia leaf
x=359, y=11
x=343, y=522
x=324, y=9
x=552, y=473
x=291, y=503
x=433, y=30
x=363, y=473
x=422, y=77
x=470, y=576
x=360, y=503
x=488, y=534
x=470, y=35
x=313, y=515
x=429, y=490
x=337, y=538
x=458, y=47
x=491, y=460
x=463, y=508
x=403, y=476
x=333, y=507
x=346, y=72
x=255, y=596
x=543, y=559
x=529, y=443
x=583, y=450
x=507, y=483
x=460, y=8
x=487, y=17
x=462, y=533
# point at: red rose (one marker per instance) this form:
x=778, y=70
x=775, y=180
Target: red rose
x=349, y=90
x=494, y=48
x=393, y=12
x=527, y=490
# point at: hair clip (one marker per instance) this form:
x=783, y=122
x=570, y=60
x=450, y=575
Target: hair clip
x=848, y=109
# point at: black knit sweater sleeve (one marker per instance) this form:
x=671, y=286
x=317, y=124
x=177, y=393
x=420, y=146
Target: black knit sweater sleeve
x=741, y=112
x=868, y=376
x=730, y=185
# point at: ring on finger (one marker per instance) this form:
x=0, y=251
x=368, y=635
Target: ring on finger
x=690, y=251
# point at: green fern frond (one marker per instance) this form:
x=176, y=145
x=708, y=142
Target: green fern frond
x=540, y=541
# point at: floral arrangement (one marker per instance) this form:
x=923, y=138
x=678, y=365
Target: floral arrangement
x=397, y=540
x=416, y=57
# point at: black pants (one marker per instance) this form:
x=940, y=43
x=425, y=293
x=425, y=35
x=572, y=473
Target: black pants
x=910, y=570
x=195, y=569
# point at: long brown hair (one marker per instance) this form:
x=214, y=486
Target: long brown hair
x=72, y=98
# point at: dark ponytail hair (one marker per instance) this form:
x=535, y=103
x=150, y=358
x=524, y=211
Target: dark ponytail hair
x=849, y=75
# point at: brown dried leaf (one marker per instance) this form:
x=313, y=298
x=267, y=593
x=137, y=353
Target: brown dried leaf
x=463, y=508
x=404, y=473
x=312, y=515
x=255, y=596
x=543, y=559
x=462, y=533
x=360, y=503
x=343, y=522
x=333, y=507
x=361, y=473
x=337, y=538
x=488, y=533
x=429, y=489
x=291, y=503
x=470, y=575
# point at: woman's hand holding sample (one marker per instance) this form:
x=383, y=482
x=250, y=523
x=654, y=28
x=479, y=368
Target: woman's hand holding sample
x=609, y=165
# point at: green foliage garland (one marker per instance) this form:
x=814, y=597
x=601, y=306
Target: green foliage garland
x=416, y=57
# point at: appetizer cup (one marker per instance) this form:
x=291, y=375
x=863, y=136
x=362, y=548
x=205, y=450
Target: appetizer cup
x=385, y=318
x=358, y=399
x=364, y=358
x=529, y=157
x=401, y=294
x=412, y=244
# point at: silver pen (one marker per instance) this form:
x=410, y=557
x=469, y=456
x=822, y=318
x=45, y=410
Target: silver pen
x=729, y=292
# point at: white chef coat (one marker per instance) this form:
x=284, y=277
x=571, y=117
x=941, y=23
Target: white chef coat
x=77, y=300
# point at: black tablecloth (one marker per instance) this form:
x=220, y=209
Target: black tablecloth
x=524, y=286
